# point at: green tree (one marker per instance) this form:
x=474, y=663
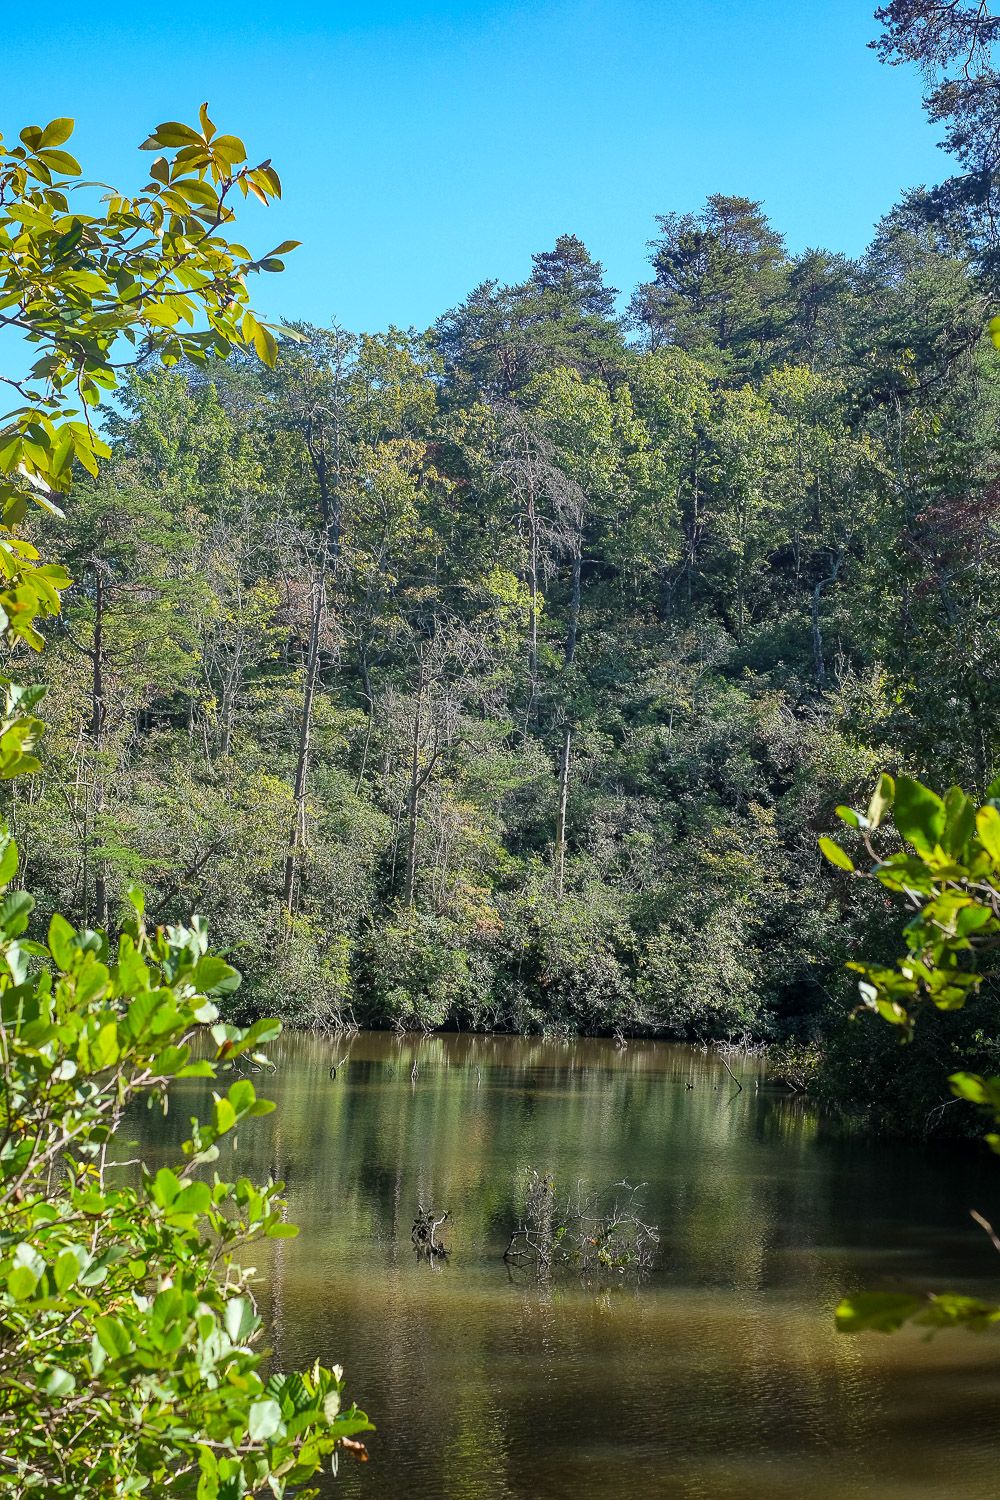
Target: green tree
x=720, y=283
x=501, y=336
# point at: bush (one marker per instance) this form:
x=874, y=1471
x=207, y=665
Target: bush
x=414, y=973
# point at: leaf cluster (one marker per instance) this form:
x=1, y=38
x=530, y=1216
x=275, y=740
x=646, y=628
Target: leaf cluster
x=128, y=1359
x=948, y=872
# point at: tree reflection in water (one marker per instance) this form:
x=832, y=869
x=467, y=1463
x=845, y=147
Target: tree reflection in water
x=720, y=1375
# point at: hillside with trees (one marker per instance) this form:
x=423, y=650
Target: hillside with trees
x=502, y=675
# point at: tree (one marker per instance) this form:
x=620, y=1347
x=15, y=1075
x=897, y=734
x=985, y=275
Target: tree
x=952, y=44
x=570, y=274
x=80, y=289
x=598, y=442
x=659, y=535
x=564, y=314
x=720, y=280
x=544, y=498
x=820, y=290
x=126, y=1317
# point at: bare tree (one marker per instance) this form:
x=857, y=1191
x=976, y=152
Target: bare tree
x=551, y=511
x=449, y=700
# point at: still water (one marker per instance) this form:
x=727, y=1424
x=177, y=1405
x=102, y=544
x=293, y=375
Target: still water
x=720, y=1376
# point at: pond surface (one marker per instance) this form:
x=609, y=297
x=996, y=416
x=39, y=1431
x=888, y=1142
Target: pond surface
x=719, y=1376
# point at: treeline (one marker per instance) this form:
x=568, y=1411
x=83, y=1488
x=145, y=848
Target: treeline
x=503, y=675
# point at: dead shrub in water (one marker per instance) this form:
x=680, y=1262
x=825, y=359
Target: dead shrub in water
x=590, y=1232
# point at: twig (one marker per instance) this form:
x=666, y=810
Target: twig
x=985, y=1224
x=730, y=1072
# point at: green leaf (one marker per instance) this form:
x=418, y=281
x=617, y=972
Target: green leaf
x=171, y=133
x=968, y=1086
x=882, y=1312
x=172, y=1059
x=66, y=1269
x=131, y=970
x=104, y=1051
x=60, y=161
x=59, y=1383
x=881, y=799
x=95, y=1272
x=56, y=132
x=971, y=918
x=265, y=1419
x=62, y=942
x=165, y=1187
x=114, y=1337
x=92, y=981
x=266, y=346
x=242, y=1095
x=240, y=1319
x=919, y=814
x=230, y=149
x=195, y=191
x=264, y=1030
x=15, y=910
x=213, y=976
x=835, y=854
x=21, y=1283
x=196, y=1198
x=960, y=821
x=988, y=829
x=949, y=1310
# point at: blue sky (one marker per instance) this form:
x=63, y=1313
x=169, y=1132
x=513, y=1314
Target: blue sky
x=425, y=145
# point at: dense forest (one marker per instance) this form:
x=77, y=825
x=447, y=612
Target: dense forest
x=502, y=675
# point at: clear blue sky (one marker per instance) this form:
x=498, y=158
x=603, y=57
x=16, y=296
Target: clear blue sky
x=425, y=145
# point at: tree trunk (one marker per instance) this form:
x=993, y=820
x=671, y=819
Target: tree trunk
x=413, y=800
x=532, y=612
x=297, y=830
x=819, y=665
x=329, y=491
x=559, y=855
x=366, y=689
x=574, y=607
x=230, y=684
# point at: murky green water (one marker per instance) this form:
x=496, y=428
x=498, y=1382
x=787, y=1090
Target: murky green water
x=721, y=1376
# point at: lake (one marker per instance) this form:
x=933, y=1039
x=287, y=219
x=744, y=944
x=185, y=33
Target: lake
x=720, y=1375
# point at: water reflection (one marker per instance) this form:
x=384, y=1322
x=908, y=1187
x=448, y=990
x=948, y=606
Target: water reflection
x=719, y=1376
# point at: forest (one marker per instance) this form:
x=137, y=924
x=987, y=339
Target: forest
x=502, y=675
